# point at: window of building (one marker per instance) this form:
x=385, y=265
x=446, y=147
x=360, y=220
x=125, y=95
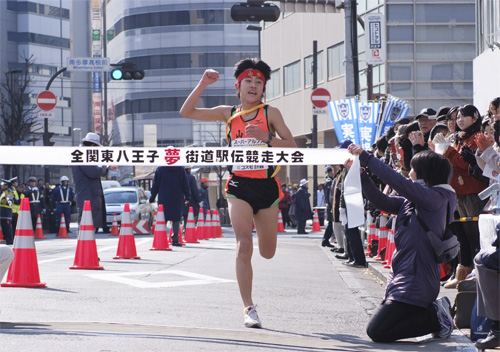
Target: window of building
x=400, y=52
x=308, y=70
x=436, y=13
x=335, y=61
x=273, y=85
x=400, y=33
x=291, y=77
x=447, y=32
x=400, y=14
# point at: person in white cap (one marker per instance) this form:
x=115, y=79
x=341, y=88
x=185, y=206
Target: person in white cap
x=303, y=211
x=253, y=191
x=88, y=186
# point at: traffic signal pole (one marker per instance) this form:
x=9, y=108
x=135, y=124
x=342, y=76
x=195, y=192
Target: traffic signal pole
x=46, y=136
x=315, y=122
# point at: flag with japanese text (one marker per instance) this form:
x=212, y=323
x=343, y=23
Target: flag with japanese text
x=344, y=114
x=394, y=110
x=368, y=113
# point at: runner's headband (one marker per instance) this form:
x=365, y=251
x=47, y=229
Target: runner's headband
x=251, y=72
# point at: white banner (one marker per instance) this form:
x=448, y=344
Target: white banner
x=134, y=156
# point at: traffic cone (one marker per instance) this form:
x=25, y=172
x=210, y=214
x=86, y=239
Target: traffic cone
x=39, y=228
x=218, y=226
x=160, y=241
x=63, y=231
x=23, y=271
x=392, y=245
x=181, y=241
x=126, y=242
x=114, y=227
x=190, y=235
x=281, y=227
x=382, y=236
x=371, y=231
x=154, y=223
x=208, y=226
x=1, y=233
x=316, y=227
x=86, y=248
x=200, y=229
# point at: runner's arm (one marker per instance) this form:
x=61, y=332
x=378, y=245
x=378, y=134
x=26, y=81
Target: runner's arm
x=189, y=109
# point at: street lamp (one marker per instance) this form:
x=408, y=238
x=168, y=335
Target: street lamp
x=254, y=27
x=79, y=132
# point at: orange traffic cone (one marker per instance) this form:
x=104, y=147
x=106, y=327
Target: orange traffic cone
x=63, y=231
x=126, y=242
x=201, y=229
x=154, y=224
x=23, y=271
x=86, y=248
x=114, y=227
x=316, y=226
x=281, y=227
x=39, y=228
x=209, y=229
x=160, y=241
x=218, y=227
x=190, y=236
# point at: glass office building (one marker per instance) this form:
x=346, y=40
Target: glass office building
x=174, y=42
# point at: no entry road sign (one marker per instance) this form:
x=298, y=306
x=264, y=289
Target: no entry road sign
x=46, y=100
x=320, y=98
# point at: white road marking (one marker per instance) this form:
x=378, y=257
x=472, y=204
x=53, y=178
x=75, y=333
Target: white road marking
x=100, y=249
x=124, y=278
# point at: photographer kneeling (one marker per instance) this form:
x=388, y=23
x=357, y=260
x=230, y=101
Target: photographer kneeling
x=410, y=308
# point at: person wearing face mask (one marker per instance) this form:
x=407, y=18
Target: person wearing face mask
x=253, y=191
x=467, y=188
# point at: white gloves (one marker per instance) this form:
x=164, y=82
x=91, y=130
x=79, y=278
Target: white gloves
x=200, y=204
x=343, y=216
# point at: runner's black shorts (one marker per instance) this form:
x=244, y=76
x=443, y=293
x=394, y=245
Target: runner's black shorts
x=260, y=193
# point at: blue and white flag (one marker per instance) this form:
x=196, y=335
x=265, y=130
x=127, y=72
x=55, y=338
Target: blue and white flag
x=344, y=114
x=367, y=123
x=394, y=110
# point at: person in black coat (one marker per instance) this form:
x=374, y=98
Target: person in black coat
x=170, y=183
x=303, y=211
x=87, y=181
x=195, y=200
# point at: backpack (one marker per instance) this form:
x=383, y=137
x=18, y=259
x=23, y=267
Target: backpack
x=446, y=249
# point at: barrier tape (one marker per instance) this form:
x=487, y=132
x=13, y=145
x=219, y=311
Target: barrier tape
x=134, y=156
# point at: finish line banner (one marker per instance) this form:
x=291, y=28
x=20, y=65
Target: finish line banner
x=133, y=156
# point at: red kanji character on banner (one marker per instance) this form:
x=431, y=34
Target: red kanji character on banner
x=172, y=156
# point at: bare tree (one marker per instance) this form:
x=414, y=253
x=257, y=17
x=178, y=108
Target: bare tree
x=17, y=118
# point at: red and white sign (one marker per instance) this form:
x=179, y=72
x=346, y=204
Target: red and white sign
x=46, y=100
x=320, y=98
x=140, y=227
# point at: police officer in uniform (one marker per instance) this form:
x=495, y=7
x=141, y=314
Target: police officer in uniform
x=63, y=196
x=37, y=200
x=16, y=205
x=7, y=199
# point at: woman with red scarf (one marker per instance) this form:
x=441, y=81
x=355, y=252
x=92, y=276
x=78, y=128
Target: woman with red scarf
x=467, y=188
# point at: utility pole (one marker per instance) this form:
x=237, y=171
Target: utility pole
x=351, y=48
x=314, y=140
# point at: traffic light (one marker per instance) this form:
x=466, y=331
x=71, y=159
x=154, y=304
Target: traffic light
x=126, y=71
x=255, y=11
x=46, y=139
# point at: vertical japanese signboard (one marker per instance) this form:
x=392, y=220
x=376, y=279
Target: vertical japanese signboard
x=375, y=38
x=96, y=17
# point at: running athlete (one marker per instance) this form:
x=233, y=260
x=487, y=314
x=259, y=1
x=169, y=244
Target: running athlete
x=253, y=192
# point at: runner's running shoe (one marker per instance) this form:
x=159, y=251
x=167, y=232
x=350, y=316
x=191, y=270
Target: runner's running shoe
x=442, y=306
x=251, y=317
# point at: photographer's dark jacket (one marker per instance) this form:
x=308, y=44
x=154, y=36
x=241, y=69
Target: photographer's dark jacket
x=415, y=273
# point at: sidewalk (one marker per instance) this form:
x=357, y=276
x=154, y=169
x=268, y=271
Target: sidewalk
x=459, y=338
